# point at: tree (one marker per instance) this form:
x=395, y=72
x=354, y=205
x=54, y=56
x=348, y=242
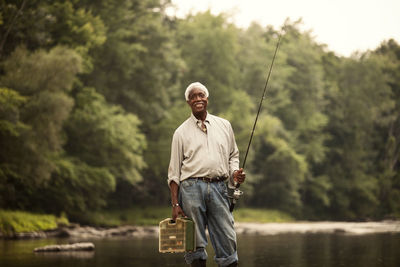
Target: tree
x=361, y=102
x=55, y=23
x=138, y=67
x=11, y=129
x=389, y=181
x=282, y=171
x=105, y=136
x=256, y=49
x=208, y=45
x=155, y=188
x=76, y=188
x=303, y=114
x=44, y=78
x=41, y=81
x=295, y=105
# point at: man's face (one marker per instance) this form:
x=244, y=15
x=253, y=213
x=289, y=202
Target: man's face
x=197, y=101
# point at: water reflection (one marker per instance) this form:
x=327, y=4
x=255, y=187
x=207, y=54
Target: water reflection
x=297, y=250
x=321, y=250
x=66, y=254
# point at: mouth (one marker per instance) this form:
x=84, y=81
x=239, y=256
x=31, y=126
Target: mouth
x=198, y=104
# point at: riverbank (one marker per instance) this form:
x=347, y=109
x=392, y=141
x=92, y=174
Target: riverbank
x=145, y=216
x=22, y=224
x=353, y=228
x=144, y=223
x=74, y=231
x=12, y=222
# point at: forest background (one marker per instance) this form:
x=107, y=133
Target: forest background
x=92, y=91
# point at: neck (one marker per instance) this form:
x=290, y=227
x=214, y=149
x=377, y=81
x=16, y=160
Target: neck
x=201, y=115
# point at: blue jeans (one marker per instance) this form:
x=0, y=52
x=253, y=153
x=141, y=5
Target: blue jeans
x=207, y=204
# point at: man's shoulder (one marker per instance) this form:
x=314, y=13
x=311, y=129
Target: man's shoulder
x=219, y=120
x=184, y=126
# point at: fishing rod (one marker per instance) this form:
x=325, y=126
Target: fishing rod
x=236, y=193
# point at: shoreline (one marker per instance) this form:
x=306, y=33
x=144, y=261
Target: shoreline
x=327, y=227
x=75, y=231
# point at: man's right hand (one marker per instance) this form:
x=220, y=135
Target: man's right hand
x=176, y=212
x=176, y=209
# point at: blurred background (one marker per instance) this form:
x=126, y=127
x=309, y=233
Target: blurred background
x=92, y=91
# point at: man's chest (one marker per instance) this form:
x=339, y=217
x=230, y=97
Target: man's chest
x=206, y=144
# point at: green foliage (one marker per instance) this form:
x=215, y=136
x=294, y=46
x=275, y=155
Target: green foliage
x=158, y=152
x=76, y=187
x=138, y=66
x=261, y=216
x=241, y=113
x=40, y=82
x=18, y=221
x=79, y=28
x=11, y=128
x=104, y=135
x=208, y=44
x=357, y=108
x=55, y=23
x=389, y=178
x=92, y=91
x=303, y=114
x=256, y=50
x=282, y=170
x=143, y=215
x=10, y=102
x=31, y=73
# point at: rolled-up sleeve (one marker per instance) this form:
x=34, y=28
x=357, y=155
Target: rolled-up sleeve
x=175, y=164
x=233, y=157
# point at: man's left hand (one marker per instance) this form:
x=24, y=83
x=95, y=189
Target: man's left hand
x=239, y=176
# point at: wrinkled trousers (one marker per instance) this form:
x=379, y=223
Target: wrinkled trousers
x=207, y=204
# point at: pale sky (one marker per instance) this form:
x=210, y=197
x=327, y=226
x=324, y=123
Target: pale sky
x=345, y=26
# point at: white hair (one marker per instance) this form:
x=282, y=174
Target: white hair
x=193, y=86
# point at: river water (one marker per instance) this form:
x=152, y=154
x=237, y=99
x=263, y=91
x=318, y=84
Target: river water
x=282, y=250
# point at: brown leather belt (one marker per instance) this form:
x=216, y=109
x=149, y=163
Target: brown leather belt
x=210, y=180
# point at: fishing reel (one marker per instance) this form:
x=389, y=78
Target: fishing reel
x=234, y=194
x=237, y=194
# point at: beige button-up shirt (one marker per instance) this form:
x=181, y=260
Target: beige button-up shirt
x=195, y=153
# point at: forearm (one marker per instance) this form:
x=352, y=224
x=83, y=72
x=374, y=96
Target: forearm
x=174, y=192
x=176, y=209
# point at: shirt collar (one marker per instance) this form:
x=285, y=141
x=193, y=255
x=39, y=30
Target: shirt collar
x=196, y=120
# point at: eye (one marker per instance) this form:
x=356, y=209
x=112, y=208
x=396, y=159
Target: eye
x=194, y=96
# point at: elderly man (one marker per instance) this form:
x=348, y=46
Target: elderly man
x=204, y=161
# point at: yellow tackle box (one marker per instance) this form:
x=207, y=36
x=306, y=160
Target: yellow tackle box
x=177, y=236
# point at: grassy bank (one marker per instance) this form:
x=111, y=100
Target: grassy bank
x=131, y=216
x=21, y=221
x=153, y=215
x=261, y=216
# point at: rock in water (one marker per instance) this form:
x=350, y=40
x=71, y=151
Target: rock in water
x=86, y=246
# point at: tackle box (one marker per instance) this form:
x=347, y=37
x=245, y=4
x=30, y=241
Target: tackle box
x=177, y=236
